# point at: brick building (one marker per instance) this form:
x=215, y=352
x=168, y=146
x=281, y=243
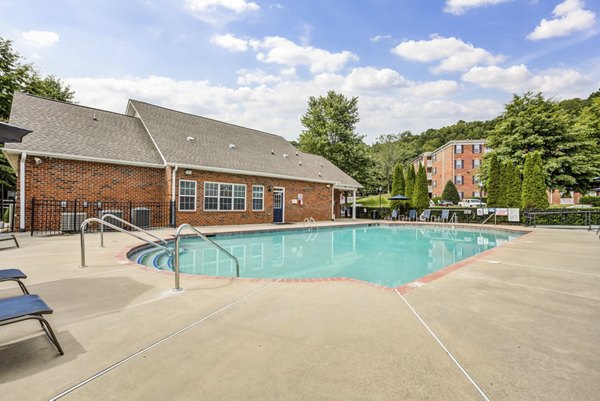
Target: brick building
x=214, y=172
x=458, y=161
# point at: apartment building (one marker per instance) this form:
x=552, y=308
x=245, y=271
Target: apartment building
x=460, y=162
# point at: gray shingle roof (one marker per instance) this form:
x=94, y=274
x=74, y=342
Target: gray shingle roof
x=67, y=129
x=80, y=132
x=255, y=152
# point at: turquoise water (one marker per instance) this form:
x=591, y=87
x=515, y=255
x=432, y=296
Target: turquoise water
x=384, y=255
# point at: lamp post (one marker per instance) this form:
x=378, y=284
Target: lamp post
x=380, y=189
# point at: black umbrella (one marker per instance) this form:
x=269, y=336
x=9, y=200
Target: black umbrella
x=10, y=133
x=399, y=197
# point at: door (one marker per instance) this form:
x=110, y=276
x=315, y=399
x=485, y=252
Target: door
x=278, y=206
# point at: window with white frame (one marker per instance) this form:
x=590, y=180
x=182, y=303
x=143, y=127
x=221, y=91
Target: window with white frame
x=458, y=149
x=434, y=183
x=433, y=158
x=223, y=196
x=476, y=148
x=187, y=196
x=459, y=164
x=458, y=180
x=476, y=163
x=434, y=170
x=476, y=194
x=461, y=194
x=258, y=198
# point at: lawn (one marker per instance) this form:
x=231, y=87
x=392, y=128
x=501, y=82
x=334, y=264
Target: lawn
x=373, y=201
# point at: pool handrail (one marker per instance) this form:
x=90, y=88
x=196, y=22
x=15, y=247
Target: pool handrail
x=112, y=216
x=204, y=237
x=86, y=222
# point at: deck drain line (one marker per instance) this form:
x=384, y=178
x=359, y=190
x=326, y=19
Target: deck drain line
x=157, y=343
x=485, y=397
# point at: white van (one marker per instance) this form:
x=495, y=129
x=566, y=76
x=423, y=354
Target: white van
x=471, y=202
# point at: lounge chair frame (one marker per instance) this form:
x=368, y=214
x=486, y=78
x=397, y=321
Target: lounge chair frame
x=14, y=275
x=10, y=237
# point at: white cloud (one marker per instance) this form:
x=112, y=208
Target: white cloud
x=518, y=78
x=569, y=17
x=373, y=79
x=40, y=39
x=378, y=38
x=453, y=53
x=459, y=7
x=230, y=42
x=256, y=77
x=219, y=12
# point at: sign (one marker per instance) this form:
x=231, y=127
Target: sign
x=300, y=197
x=501, y=211
x=294, y=201
x=513, y=214
x=479, y=211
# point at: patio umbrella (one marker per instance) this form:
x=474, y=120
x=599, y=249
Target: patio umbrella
x=399, y=197
x=10, y=133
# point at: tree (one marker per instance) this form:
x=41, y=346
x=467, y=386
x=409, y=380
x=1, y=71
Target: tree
x=510, y=185
x=330, y=123
x=450, y=193
x=16, y=76
x=409, y=182
x=534, y=194
x=385, y=153
x=493, y=180
x=398, y=185
x=531, y=123
x=421, y=191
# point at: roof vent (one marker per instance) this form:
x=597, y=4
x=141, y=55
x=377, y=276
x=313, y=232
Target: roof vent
x=297, y=154
x=321, y=164
x=94, y=117
x=320, y=174
x=300, y=162
x=272, y=152
x=190, y=139
x=231, y=146
x=285, y=156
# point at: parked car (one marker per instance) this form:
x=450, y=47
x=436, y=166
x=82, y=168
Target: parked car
x=471, y=202
x=445, y=203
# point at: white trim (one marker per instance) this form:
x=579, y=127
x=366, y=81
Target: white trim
x=233, y=197
x=148, y=131
x=187, y=196
x=259, y=174
x=354, y=214
x=263, y=198
x=84, y=158
x=22, y=192
x=173, y=185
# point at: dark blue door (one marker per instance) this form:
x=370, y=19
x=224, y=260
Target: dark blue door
x=277, y=206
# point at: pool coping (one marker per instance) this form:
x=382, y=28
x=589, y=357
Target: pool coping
x=123, y=259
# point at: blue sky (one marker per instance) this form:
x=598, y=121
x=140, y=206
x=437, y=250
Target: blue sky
x=413, y=64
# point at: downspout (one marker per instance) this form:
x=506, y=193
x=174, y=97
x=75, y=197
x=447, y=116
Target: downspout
x=332, y=203
x=173, y=182
x=22, y=192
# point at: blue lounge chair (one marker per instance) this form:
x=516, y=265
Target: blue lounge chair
x=394, y=215
x=14, y=275
x=9, y=237
x=445, y=215
x=426, y=215
x=412, y=215
x=26, y=307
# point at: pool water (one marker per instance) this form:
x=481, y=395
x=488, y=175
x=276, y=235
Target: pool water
x=384, y=255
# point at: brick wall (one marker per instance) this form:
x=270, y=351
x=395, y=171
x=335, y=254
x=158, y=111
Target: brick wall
x=316, y=200
x=446, y=169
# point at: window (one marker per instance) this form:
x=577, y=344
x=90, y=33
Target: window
x=458, y=180
x=461, y=194
x=435, y=170
x=187, y=196
x=476, y=163
x=459, y=164
x=258, y=194
x=221, y=196
x=434, y=183
x=476, y=194
x=475, y=180
x=477, y=148
x=434, y=158
x=458, y=149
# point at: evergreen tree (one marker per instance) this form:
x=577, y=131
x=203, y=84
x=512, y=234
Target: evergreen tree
x=421, y=191
x=409, y=182
x=398, y=186
x=493, y=181
x=511, y=185
x=534, y=194
x=450, y=193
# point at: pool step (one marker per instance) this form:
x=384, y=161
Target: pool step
x=157, y=258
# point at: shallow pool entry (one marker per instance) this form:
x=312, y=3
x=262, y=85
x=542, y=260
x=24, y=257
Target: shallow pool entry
x=384, y=255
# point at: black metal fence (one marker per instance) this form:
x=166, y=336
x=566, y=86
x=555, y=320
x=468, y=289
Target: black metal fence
x=7, y=214
x=48, y=217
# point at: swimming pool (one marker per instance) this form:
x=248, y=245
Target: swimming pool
x=387, y=255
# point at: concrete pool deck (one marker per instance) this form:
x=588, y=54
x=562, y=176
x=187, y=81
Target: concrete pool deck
x=523, y=321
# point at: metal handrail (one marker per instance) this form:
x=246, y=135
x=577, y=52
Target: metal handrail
x=491, y=215
x=311, y=223
x=102, y=222
x=204, y=237
x=454, y=218
x=312, y=220
x=112, y=216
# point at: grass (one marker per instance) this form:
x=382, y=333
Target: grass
x=373, y=201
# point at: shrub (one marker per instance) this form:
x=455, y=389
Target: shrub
x=590, y=200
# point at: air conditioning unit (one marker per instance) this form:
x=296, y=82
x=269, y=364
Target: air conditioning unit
x=140, y=216
x=118, y=213
x=71, y=221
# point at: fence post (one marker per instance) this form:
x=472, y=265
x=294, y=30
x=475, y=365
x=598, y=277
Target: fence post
x=172, y=213
x=32, y=214
x=130, y=214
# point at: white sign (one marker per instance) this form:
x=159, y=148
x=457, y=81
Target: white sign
x=513, y=214
x=299, y=197
x=479, y=211
x=501, y=211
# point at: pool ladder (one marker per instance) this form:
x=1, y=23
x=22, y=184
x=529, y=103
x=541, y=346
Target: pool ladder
x=310, y=222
